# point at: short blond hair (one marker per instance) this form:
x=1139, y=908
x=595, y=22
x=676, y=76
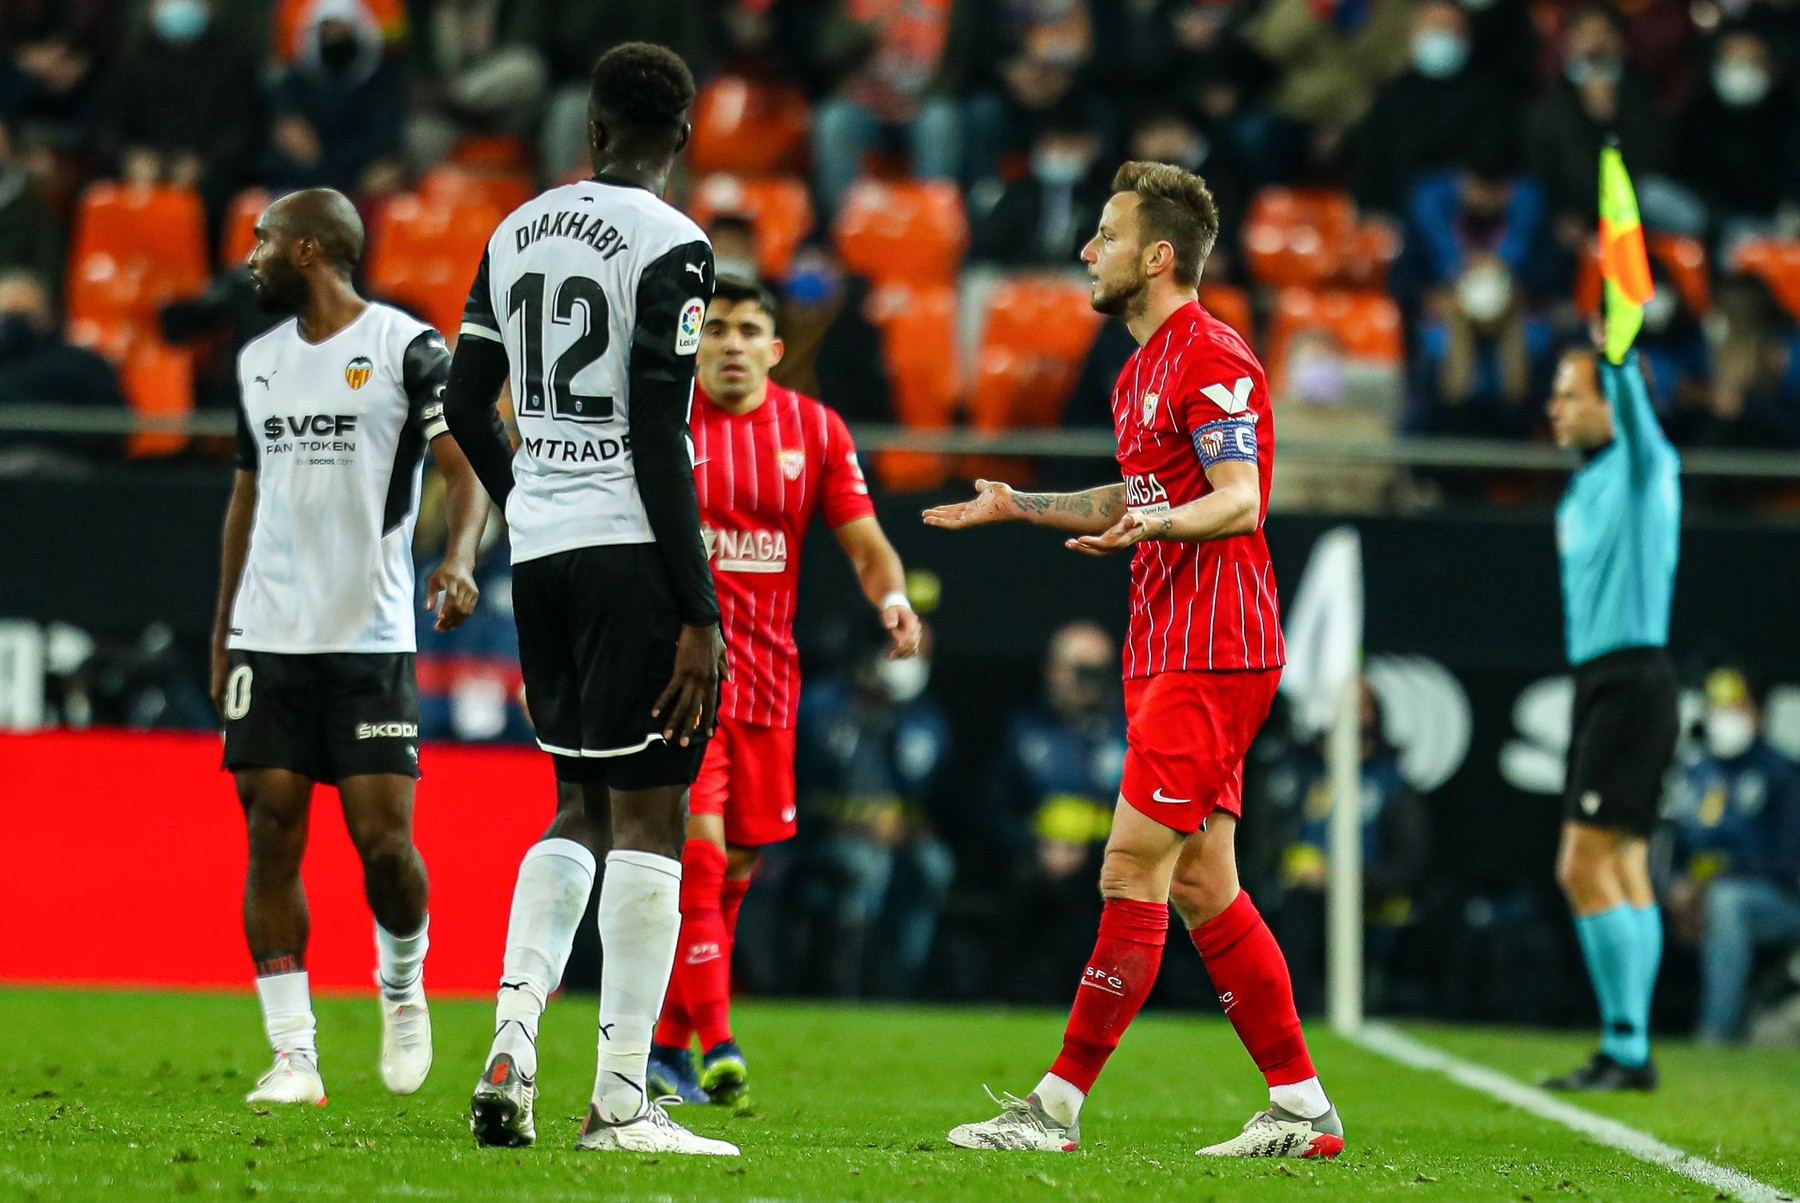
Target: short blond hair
x=1176, y=207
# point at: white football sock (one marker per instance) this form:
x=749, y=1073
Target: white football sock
x=1305, y=1099
x=555, y=879
x=640, y=924
x=400, y=962
x=1060, y=1099
x=287, y=1013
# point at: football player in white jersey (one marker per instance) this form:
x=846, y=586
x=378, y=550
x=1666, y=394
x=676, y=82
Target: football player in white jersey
x=589, y=300
x=313, y=639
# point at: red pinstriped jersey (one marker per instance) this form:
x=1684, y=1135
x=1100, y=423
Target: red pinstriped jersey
x=1193, y=396
x=761, y=477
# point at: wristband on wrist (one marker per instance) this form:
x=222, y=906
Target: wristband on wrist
x=895, y=598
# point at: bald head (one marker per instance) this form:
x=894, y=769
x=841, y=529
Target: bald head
x=305, y=241
x=324, y=215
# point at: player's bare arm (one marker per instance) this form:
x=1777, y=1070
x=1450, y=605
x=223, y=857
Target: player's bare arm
x=240, y=513
x=1231, y=508
x=1089, y=512
x=467, y=511
x=883, y=580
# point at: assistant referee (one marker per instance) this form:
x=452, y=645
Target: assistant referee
x=1618, y=535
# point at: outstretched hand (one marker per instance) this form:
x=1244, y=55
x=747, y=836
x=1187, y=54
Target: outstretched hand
x=1130, y=530
x=994, y=501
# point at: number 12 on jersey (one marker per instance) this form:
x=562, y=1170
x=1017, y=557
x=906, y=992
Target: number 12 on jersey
x=525, y=299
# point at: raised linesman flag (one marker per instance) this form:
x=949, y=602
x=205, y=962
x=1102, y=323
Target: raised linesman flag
x=1624, y=262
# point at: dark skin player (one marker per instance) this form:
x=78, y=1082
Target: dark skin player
x=307, y=246
x=598, y=817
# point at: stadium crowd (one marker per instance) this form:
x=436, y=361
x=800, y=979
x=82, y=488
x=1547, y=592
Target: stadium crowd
x=1408, y=186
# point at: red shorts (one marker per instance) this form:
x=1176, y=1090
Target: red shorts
x=1187, y=734
x=748, y=777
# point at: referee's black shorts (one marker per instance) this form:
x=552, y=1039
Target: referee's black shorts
x=597, y=634
x=1625, y=727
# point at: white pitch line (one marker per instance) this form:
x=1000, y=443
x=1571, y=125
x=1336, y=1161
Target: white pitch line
x=1379, y=1038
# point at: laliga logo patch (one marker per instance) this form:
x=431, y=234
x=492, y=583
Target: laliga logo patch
x=793, y=463
x=358, y=371
x=1149, y=408
x=687, y=333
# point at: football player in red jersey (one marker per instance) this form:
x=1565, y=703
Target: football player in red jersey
x=767, y=459
x=1196, y=449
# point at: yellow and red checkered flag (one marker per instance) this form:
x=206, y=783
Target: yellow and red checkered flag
x=1624, y=262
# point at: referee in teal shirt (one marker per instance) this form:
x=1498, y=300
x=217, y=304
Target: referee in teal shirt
x=1618, y=534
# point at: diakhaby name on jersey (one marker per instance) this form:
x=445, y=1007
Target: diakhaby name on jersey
x=748, y=550
x=309, y=432
x=582, y=227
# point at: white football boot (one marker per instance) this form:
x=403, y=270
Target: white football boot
x=294, y=1078
x=1280, y=1133
x=651, y=1131
x=1023, y=1126
x=500, y=1112
x=405, y=1043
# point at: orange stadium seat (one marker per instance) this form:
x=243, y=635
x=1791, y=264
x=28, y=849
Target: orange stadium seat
x=1298, y=238
x=918, y=342
x=424, y=254
x=1231, y=305
x=239, y=238
x=452, y=184
x=1365, y=324
x=492, y=152
x=158, y=382
x=1037, y=332
x=780, y=209
x=913, y=232
x=112, y=340
x=1778, y=265
x=134, y=249
x=749, y=128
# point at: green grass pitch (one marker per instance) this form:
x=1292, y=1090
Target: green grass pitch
x=139, y=1096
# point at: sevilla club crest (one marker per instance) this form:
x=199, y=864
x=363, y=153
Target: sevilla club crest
x=1149, y=408
x=793, y=463
x=358, y=371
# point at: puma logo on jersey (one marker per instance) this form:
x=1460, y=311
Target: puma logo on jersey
x=751, y=550
x=696, y=269
x=1233, y=400
x=264, y=380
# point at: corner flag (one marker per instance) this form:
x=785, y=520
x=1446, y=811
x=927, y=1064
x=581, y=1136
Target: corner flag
x=1624, y=263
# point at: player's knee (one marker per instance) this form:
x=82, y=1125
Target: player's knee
x=740, y=861
x=1577, y=873
x=386, y=853
x=1197, y=899
x=1127, y=872
x=277, y=838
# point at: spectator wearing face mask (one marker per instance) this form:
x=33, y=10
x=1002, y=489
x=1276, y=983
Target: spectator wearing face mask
x=869, y=752
x=184, y=108
x=1740, y=143
x=834, y=350
x=1056, y=783
x=1324, y=397
x=38, y=368
x=1598, y=97
x=1043, y=218
x=1736, y=821
x=340, y=110
x=1474, y=279
x=1444, y=111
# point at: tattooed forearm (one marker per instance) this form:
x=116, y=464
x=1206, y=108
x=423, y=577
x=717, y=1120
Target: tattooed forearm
x=1090, y=511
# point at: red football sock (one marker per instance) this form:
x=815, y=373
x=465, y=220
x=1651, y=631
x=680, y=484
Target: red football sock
x=1114, y=985
x=703, y=955
x=1247, y=968
x=730, y=903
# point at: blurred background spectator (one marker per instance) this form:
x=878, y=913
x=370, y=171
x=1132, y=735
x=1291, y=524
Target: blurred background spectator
x=1736, y=828
x=1044, y=217
x=1739, y=149
x=479, y=69
x=340, y=110
x=29, y=237
x=1056, y=784
x=871, y=744
x=53, y=59
x=1396, y=851
x=184, y=106
x=38, y=368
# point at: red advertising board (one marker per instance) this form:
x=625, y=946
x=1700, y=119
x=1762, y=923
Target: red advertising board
x=124, y=859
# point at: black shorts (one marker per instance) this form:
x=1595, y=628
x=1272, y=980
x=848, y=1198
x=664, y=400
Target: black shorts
x=597, y=634
x=1622, y=740
x=327, y=716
